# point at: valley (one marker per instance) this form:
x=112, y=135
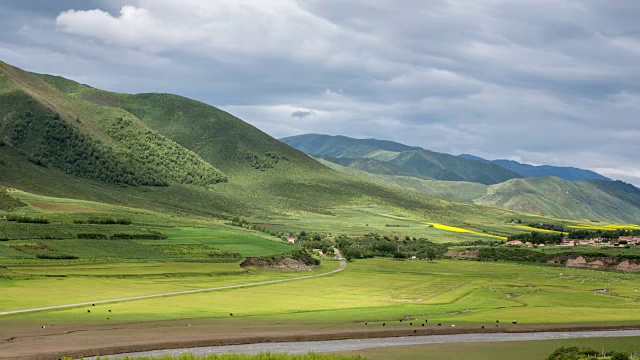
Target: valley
x=108, y=196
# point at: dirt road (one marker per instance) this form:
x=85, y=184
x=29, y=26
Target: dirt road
x=341, y=267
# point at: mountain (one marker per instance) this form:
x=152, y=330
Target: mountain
x=171, y=154
x=385, y=157
x=560, y=198
x=601, y=200
x=567, y=173
x=343, y=146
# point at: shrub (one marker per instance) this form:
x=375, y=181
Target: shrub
x=56, y=256
x=27, y=219
x=92, y=236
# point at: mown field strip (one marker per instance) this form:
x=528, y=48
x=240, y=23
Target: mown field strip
x=341, y=267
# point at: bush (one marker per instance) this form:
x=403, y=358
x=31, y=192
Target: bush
x=93, y=236
x=56, y=256
x=148, y=236
x=27, y=219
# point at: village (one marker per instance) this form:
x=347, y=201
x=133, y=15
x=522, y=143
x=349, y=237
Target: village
x=621, y=242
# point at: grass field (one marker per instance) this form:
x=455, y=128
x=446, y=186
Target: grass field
x=373, y=291
x=522, y=350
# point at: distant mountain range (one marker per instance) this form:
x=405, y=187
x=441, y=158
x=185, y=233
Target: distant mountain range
x=392, y=158
x=562, y=192
x=567, y=173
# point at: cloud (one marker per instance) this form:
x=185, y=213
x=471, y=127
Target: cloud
x=541, y=80
x=301, y=114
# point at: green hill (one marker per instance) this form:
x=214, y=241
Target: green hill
x=560, y=198
x=563, y=172
x=343, y=146
x=601, y=200
x=172, y=154
x=390, y=158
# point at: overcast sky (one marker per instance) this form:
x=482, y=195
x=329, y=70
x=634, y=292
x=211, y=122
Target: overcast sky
x=544, y=82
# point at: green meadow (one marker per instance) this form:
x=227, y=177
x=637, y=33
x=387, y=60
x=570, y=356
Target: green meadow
x=375, y=291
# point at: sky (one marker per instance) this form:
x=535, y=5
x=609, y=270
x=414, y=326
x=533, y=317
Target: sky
x=538, y=81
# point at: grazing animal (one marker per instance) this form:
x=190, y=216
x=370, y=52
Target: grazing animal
x=88, y=311
x=400, y=320
x=109, y=310
x=453, y=325
x=439, y=324
x=383, y=324
x=514, y=322
x=93, y=304
x=366, y=323
x=230, y=314
x=188, y=324
x=497, y=321
x=108, y=319
x=426, y=321
x=482, y=326
x=497, y=325
x=410, y=324
x=44, y=327
x=415, y=331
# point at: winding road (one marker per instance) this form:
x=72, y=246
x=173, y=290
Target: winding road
x=360, y=344
x=341, y=267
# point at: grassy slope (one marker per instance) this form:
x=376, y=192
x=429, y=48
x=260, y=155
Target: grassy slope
x=343, y=146
x=448, y=167
x=265, y=175
x=449, y=190
x=560, y=198
x=595, y=200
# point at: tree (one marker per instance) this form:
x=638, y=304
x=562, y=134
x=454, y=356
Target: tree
x=431, y=254
x=620, y=356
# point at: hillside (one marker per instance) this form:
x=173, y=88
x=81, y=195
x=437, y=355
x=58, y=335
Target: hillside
x=343, y=146
x=599, y=200
x=172, y=154
x=563, y=172
x=560, y=198
x=390, y=158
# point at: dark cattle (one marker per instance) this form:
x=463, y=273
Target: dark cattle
x=514, y=322
x=415, y=331
x=410, y=324
x=109, y=310
x=93, y=304
x=366, y=323
x=88, y=311
x=482, y=326
x=107, y=318
x=497, y=321
x=230, y=314
x=426, y=321
x=422, y=325
x=400, y=320
x=383, y=324
x=439, y=324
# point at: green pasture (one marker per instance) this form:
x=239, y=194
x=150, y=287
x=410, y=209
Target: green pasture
x=376, y=291
x=36, y=285
x=387, y=220
x=521, y=350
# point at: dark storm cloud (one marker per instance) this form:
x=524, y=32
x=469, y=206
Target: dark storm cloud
x=535, y=80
